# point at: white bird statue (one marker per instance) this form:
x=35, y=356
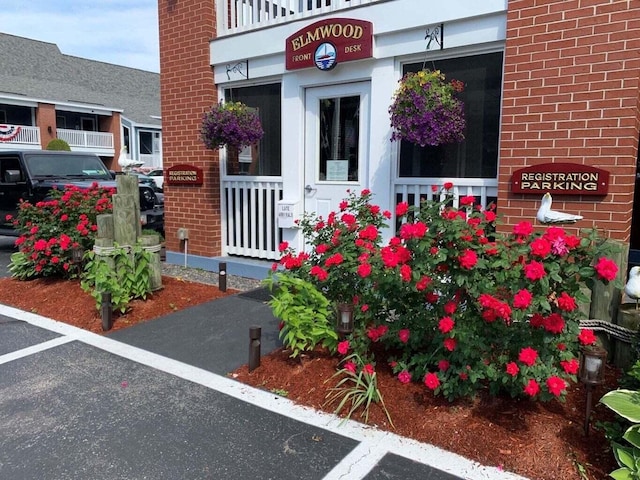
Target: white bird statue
x=632, y=288
x=127, y=163
x=546, y=215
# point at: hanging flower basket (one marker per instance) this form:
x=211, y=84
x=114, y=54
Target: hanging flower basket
x=232, y=124
x=425, y=110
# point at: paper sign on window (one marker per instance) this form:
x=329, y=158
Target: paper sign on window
x=338, y=170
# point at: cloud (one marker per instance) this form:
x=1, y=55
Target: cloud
x=112, y=31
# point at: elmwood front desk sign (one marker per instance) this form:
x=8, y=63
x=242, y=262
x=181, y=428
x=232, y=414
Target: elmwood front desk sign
x=184, y=175
x=560, y=179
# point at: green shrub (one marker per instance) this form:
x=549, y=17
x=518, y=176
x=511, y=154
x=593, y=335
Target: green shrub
x=58, y=144
x=126, y=276
x=305, y=312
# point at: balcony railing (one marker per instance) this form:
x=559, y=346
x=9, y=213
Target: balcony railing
x=86, y=139
x=244, y=15
x=26, y=136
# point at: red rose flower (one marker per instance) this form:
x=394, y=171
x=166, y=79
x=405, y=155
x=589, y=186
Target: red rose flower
x=446, y=324
x=587, y=337
x=431, y=381
x=403, y=335
x=402, y=208
x=532, y=388
x=468, y=259
x=522, y=299
x=343, y=347
x=570, y=366
x=556, y=385
x=534, y=270
x=528, y=356
x=512, y=369
x=404, y=377
x=566, y=302
x=606, y=269
x=450, y=344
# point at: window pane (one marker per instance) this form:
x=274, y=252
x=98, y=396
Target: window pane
x=264, y=158
x=146, y=143
x=338, y=145
x=477, y=155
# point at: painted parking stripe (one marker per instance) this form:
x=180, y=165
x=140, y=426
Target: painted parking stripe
x=25, y=352
x=374, y=443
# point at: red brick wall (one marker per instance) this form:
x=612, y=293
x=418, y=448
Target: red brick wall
x=186, y=91
x=46, y=117
x=571, y=94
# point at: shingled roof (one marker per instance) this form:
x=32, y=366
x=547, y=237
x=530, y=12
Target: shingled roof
x=38, y=70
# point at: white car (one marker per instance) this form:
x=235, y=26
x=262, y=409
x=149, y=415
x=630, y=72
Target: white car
x=158, y=176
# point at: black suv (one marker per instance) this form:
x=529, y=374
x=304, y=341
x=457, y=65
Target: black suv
x=31, y=174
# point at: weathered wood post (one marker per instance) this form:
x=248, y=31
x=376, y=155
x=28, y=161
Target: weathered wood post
x=103, y=246
x=606, y=299
x=126, y=211
x=151, y=244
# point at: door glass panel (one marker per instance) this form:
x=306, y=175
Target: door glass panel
x=339, y=133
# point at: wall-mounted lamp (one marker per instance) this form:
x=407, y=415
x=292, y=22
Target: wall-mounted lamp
x=49, y=129
x=592, y=361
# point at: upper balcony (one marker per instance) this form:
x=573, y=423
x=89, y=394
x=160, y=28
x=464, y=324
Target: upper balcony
x=88, y=141
x=246, y=15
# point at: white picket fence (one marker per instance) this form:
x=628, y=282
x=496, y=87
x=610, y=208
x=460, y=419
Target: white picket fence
x=249, y=208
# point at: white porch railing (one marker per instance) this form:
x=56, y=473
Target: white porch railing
x=151, y=160
x=249, y=208
x=249, y=211
x=26, y=136
x=84, y=138
x=243, y=15
x=413, y=190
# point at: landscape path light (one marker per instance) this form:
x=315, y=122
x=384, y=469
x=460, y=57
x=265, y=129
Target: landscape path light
x=592, y=361
x=345, y=319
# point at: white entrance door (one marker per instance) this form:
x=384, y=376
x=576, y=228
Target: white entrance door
x=336, y=144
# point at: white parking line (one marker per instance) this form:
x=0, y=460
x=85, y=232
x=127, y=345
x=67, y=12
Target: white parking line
x=25, y=352
x=374, y=443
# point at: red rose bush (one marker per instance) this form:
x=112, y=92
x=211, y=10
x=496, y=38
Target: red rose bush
x=51, y=229
x=453, y=303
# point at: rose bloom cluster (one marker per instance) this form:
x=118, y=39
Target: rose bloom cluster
x=462, y=306
x=51, y=229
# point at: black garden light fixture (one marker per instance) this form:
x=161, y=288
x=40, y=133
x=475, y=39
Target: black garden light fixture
x=345, y=318
x=592, y=361
x=77, y=254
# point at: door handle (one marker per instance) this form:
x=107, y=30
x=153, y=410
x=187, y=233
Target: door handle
x=308, y=189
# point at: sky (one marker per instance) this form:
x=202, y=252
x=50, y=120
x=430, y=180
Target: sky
x=122, y=32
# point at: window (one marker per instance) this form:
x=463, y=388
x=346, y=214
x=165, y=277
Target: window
x=145, y=142
x=477, y=155
x=126, y=138
x=264, y=158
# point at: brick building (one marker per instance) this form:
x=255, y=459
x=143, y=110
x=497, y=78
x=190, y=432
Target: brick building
x=549, y=84
x=95, y=107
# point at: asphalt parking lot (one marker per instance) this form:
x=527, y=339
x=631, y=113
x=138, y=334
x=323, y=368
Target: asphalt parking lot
x=154, y=402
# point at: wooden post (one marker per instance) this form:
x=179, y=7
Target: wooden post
x=605, y=299
x=125, y=219
x=105, y=226
x=128, y=185
x=151, y=243
x=102, y=243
